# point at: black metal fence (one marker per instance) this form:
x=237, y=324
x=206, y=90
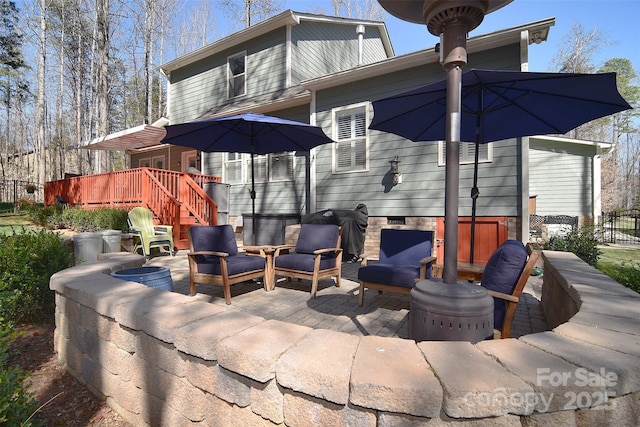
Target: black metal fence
x=12, y=190
x=620, y=227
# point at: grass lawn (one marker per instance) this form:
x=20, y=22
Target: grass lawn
x=10, y=222
x=622, y=265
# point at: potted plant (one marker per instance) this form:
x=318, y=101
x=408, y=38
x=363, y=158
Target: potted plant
x=31, y=188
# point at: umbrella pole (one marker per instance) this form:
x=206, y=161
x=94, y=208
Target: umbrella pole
x=474, y=197
x=252, y=192
x=452, y=172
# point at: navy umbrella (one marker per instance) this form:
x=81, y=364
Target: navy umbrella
x=498, y=105
x=246, y=133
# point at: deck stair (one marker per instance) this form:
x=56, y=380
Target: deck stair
x=175, y=198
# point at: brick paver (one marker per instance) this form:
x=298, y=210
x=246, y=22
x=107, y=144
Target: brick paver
x=335, y=308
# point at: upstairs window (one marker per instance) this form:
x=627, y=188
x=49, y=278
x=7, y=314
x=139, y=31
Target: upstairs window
x=467, y=153
x=236, y=74
x=350, y=134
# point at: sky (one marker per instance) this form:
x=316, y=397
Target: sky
x=619, y=20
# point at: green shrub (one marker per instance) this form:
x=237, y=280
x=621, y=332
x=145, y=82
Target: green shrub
x=17, y=404
x=57, y=217
x=27, y=261
x=581, y=242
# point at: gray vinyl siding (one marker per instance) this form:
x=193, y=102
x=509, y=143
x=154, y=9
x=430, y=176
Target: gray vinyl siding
x=273, y=197
x=421, y=192
x=560, y=175
x=202, y=86
x=318, y=49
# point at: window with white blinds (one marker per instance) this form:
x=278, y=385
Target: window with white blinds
x=350, y=134
x=280, y=166
x=467, y=153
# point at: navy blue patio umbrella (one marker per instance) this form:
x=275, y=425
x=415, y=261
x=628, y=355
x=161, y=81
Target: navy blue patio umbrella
x=246, y=133
x=497, y=105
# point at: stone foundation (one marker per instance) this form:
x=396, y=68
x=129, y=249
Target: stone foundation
x=165, y=359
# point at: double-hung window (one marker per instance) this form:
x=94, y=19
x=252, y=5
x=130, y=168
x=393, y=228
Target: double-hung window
x=271, y=167
x=236, y=74
x=233, y=168
x=467, y=153
x=266, y=168
x=350, y=136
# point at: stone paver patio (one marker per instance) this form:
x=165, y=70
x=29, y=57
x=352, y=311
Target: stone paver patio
x=335, y=308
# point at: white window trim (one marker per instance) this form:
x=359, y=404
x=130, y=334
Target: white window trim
x=464, y=159
x=241, y=160
x=144, y=160
x=334, y=127
x=229, y=75
x=245, y=161
x=290, y=154
x=164, y=161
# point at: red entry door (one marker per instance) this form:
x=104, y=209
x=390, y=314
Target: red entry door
x=491, y=232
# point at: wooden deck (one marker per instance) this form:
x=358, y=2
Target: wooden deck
x=175, y=198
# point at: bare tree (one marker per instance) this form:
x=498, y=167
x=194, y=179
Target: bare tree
x=621, y=168
x=40, y=117
x=358, y=9
x=250, y=12
x=103, y=46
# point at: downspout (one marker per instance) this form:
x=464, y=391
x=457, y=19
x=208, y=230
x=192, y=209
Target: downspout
x=311, y=161
x=524, y=150
x=360, y=32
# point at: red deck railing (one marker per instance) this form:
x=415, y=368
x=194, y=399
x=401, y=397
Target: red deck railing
x=170, y=195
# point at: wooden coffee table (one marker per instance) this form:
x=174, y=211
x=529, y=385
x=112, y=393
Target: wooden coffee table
x=269, y=272
x=466, y=271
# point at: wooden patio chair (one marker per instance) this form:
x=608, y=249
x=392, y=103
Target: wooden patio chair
x=214, y=259
x=146, y=234
x=504, y=277
x=405, y=259
x=317, y=255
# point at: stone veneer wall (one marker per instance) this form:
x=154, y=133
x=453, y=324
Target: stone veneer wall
x=165, y=359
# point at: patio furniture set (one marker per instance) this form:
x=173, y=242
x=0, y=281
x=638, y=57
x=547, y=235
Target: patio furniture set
x=405, y=260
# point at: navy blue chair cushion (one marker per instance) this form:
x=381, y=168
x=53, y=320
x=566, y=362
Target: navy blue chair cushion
x=400, y=254
x=235, y=264
x=405, y=247
x=390, y=274
x=303, y=262
x=317, y=236
x=502, y=272
x=219, y=238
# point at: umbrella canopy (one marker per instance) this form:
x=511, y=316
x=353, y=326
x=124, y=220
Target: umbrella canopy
x=497, y=105
x=246, y=133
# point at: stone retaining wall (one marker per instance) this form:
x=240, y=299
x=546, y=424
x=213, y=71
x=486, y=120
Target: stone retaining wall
x=164, y=359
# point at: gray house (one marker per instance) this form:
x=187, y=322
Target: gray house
x=326, y=71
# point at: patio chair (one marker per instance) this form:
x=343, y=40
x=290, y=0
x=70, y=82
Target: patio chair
x=317, y=255
x=214, y=259
x=504, y=277
x=405, y=259
x=146, y=234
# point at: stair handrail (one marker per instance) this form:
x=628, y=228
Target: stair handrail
x=161, y=202
x=197, y=201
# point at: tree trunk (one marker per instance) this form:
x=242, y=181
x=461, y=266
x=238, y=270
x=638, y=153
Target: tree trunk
x=40, y=115
x=103, y=75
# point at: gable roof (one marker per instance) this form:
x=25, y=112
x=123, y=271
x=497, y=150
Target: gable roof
x=286, y=18
x=537, y=32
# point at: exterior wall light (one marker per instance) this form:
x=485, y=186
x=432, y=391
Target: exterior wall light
x=395, y=170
